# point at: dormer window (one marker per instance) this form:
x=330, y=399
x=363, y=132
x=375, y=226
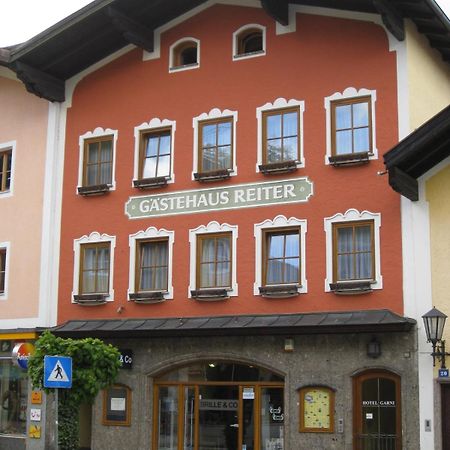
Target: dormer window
x=184, y=54
x=249, y=41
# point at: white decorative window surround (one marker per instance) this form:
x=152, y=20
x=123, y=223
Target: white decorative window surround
x=153, y=125
x=237, y=51
x=93, y=238
x=277, y=223
x=175, y=65
x=350, y=93
x=97, y=133
x=5, y=247
x=151, y=233
x=353, y=215
x=213, y=227
x=280, y=103
x=8, y=147
x=214, y=114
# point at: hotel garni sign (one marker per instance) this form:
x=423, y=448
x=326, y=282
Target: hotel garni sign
x=295, y=190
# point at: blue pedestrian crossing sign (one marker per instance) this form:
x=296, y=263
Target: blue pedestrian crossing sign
x=57, y=372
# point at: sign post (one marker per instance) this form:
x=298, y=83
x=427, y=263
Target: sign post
x=58, y=375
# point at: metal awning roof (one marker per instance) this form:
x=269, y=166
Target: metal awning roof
x=276, y=324
x=103, y=27
x=418, y=153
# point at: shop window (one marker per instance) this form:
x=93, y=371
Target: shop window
x=351, y=127
x=280, y=256
x=353, y=259
x=316, y=409
x=214, y=143
x=377, y=411
x=151, y=266
x=249, y=41
x=97, y=161
x=185, y=54
x=117, y=405
x=280, y=140
x=4, y=267
x=93, y=269
x=5, y=170
x=213, y=255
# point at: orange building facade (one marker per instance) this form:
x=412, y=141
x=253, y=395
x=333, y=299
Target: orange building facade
x=224, y=190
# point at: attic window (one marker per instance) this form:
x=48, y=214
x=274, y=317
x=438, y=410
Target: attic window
x=249, y=41
x=184, y=54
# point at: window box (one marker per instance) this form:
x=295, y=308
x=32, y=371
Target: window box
x=351, y=287
x=90, y=299
x=214, y=175
x=150, y=183
x=280, y=291
x=349, y=159
x=94, y=190
x=281, y=167
x=210, y=294
x=148, y=297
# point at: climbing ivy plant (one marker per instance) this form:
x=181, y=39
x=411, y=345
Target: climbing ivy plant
x=95, y=366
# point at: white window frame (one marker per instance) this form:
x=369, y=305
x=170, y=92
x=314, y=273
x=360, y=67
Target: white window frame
x=173, y=69
x=353, y=215
x=278, y=222
x=350, y=93
x=6, y=246
x=5, y=146
x=97, y=133
x=279, y=103
x=94, y=238
x=213, y=227
x=148, y=234
x=238, y=57
x=215, y=113
x=150, y=126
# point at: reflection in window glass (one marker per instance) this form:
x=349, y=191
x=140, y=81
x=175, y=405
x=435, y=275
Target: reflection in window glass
x=272, y=418
x=156, y=154
x=168, y=418
x=216, y=145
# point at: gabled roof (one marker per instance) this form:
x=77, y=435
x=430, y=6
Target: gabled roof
x=418, y=153
x=103, y=27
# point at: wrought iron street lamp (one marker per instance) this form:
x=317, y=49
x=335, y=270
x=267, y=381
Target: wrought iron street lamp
x=434, y=321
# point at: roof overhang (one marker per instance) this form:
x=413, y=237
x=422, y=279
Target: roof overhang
x=372, y=321
x=103, y=27
x=418, y=153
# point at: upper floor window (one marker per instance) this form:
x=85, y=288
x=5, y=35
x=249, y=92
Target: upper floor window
x=184, y=54
x=97, y=161
x=215, y=146
x=350, y=127
x=280, y=141
x=2, y=271
x=5, y=169
x=249, y=41
x=353, y=252
x=154, y=153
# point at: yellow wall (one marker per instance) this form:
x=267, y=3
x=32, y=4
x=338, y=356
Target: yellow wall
x=438, y=196
x=428, y=78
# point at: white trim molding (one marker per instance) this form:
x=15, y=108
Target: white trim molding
x=6, y=246
x=280, y=221
x=280, y=103
x=215, y=113
x=97, y=133
x=172, y=67
x=148, y=234
x=353, y=215
x=93, y=238
x=251, y=26
x=213, y=227
x=5, y=146
x=349, y=93
x=153, y=125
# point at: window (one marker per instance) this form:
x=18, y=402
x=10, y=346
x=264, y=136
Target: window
x=353, y=252
x=5, y=170
x=350, y=125
x=151, y=265
x=93, y=269
x=280, y=140
x=249, y=41
x=2, y=270
x=184, y=54
x=97, y=161
x=214, y=141
x=280, y=255
x=213, y=261
x=117, y=405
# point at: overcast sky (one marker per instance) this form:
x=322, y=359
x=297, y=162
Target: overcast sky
x=22, y=19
